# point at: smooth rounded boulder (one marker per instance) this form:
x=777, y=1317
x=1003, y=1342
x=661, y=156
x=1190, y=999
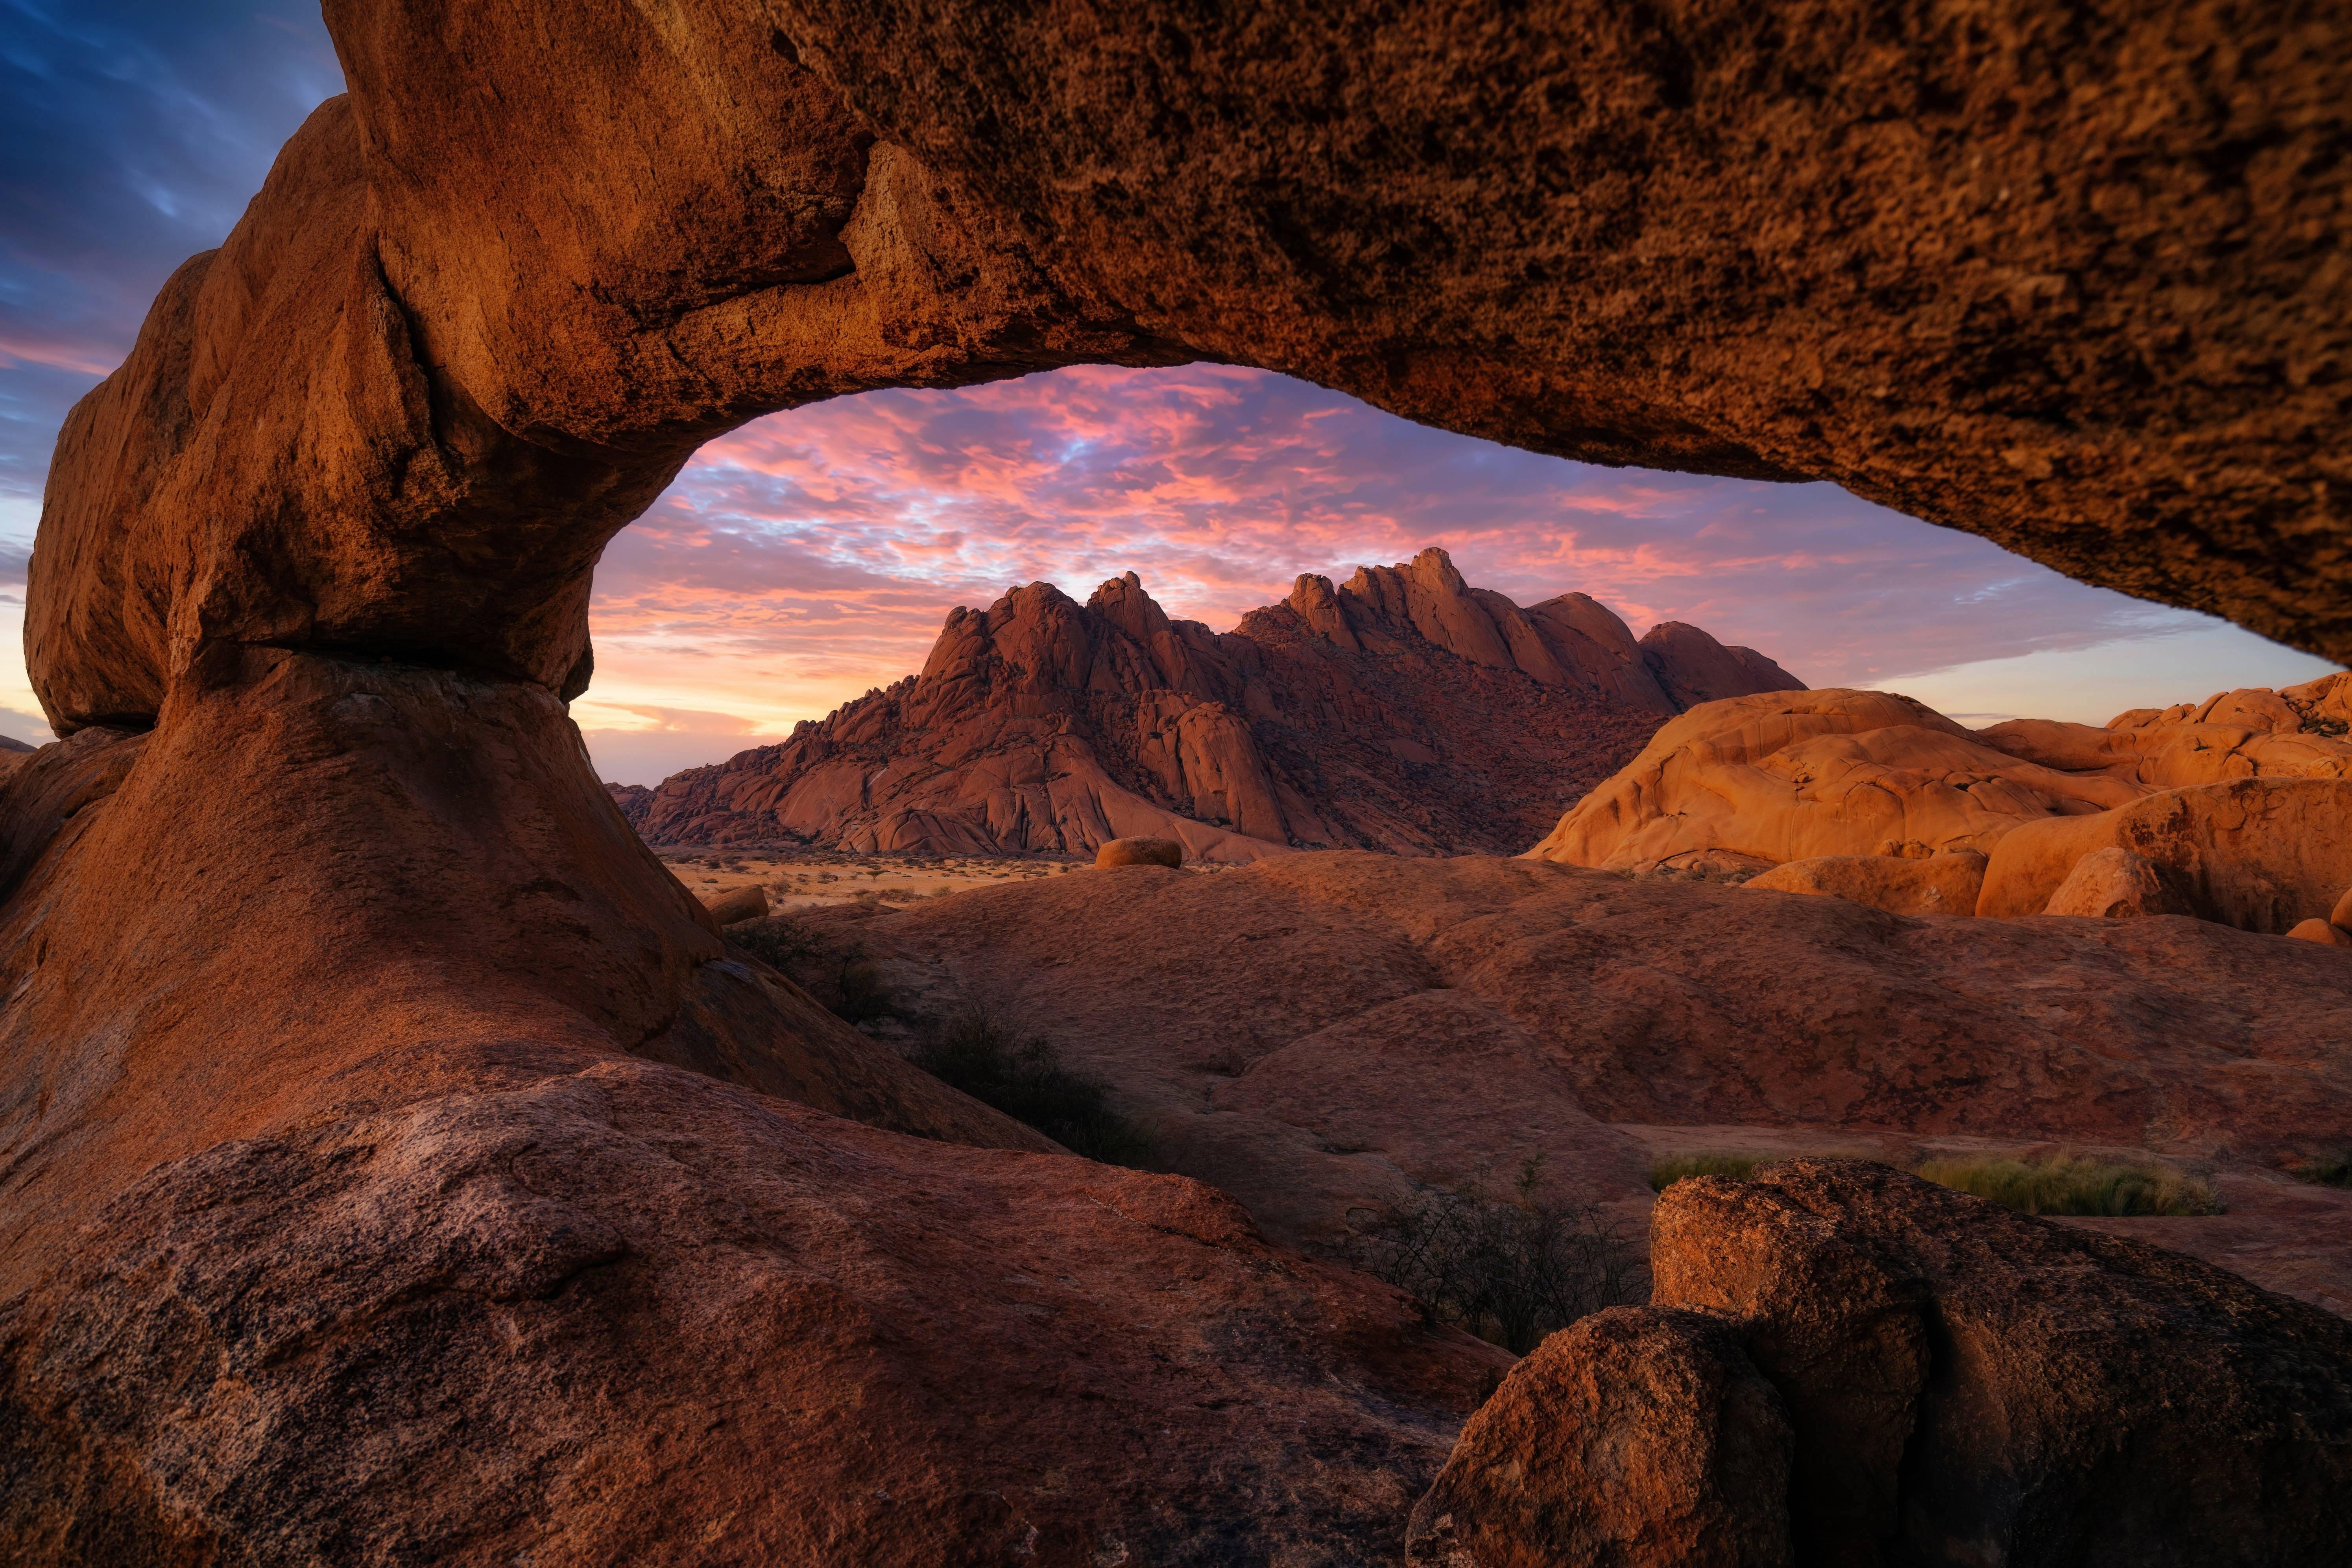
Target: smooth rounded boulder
x=2115, y=884
x=1139, y=852
x=738, y=904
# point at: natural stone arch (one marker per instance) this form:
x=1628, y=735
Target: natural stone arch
x=343, y=1010
x=2064, y=281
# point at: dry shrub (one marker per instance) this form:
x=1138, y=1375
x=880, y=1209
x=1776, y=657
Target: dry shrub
x=1026, y=1080
x=1510, y=1271
x=2077, y=1184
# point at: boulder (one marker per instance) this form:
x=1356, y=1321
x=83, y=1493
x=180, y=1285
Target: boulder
x=1637, y=1437
x=2260, y=853
x=1140, y=852
x=2115, y=884
x=1842, y=1330
x=1800, y=775
x=2341, y=915
x=2325, y=932
x=1962, y=1384
x=745, y=904
x=1942, y=884
x=2053, y=1422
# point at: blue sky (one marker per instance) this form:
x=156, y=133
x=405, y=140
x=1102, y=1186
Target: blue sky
x=813, y=553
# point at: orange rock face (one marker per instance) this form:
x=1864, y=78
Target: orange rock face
x=1403, y=711
x=2259, y=854
x=1942, y=884
x=2234, y=802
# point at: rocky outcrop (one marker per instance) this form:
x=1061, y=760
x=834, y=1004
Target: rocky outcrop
x=1963, y=1384
x=2115, y=884
x=2260, y=853
x=1403, y=711
x=2233, y=803
x=498, y=1183
x=1692, y=668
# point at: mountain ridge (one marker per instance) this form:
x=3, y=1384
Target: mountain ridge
x=1402, y=710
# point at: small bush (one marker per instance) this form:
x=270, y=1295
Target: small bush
x=1026, y=1080
x=836, y=974
x=2333, y=1169
x=776, y=941
x=1674, y=1167
x=1509, y=1271
x=2075, y=1184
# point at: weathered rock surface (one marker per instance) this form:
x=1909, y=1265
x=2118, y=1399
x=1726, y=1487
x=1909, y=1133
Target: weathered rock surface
x=1140, y=852
x=330, y=529
x=1963, y=1384
x=1842, y=1332
x=1402, y=710
x=1308, y=1032
x=2050, y=1403
x=1824, y=777
x=2260, y=853
x=1946, y=883
x=2115, y=884
x=377, y=1139
x=1637, y=1437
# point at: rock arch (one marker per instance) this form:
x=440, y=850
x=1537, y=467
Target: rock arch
x=319, y=913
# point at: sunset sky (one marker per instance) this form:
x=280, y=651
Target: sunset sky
x=812, y=555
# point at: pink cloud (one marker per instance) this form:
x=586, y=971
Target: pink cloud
x=822, y=547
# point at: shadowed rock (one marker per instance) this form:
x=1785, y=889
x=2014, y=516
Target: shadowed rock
x=1962, y=1384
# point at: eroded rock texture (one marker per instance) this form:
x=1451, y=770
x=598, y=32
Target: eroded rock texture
x=1967, y=1384
x=1404, y=711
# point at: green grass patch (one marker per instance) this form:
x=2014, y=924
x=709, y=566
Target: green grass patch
x=1026, y=1080
x=2053, y=1185
x=1674, y=1167
x=2075, y=1184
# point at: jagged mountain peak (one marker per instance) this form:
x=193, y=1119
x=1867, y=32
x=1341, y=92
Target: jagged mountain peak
x=1404, y=709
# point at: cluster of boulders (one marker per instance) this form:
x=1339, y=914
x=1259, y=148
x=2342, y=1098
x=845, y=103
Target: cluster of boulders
x=2237, y=810
x=1843, y=1364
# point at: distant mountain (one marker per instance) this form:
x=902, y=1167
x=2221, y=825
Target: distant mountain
x=1402, y=710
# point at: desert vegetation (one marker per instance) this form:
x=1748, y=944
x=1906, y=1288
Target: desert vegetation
x=1510, y=1270
x=2040, y=1185
x=2333, y=1169
x=836, y=973
x=1024, y=1078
